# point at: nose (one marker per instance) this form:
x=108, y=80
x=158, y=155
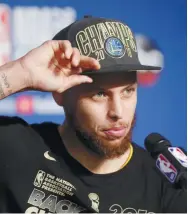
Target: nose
x=115, y=108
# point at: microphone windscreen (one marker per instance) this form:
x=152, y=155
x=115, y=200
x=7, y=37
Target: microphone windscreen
x=155, y=142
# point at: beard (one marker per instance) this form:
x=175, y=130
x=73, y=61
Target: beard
x=101, y=147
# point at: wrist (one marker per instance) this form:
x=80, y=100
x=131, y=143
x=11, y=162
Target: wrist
x=13, y=78
x=23, y=74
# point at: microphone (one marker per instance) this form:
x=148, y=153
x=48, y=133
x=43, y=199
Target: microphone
x=183, y=150
x=170, y=161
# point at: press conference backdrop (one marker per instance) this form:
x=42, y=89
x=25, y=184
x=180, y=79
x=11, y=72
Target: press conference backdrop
x=160, y=29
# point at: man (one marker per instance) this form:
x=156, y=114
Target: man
x=89, y=163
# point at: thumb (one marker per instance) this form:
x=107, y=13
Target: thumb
x=76, y=79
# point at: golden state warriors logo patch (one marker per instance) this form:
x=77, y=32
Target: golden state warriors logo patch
x=114, y=47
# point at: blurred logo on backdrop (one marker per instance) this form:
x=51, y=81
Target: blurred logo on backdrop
x=29, y=104
x=5, y=42
x=31, y=26
x=24, y=105
x=149, y=54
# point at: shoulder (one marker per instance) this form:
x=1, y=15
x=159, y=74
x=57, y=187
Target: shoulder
x=19, y=138
x=14, y=124
x=12, y=128
x=141, y=153
x=146, y=168
x=144, y=161
x=21, y=144
x=6, y=121
x=16, y=132
x=148, y=165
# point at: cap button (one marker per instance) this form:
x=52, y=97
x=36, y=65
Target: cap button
x=87, y=16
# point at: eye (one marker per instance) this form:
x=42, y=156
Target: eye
x=100, y=94
x=129, y=91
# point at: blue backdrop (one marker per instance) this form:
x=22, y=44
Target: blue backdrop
x=161, y=107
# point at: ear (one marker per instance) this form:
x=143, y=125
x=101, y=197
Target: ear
x=58, y=97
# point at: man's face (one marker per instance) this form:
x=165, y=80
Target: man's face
x=102, y=113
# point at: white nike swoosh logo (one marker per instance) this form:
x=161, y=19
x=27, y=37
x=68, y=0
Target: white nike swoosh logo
x=47, y=156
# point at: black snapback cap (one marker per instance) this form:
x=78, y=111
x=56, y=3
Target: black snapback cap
x=109, y=41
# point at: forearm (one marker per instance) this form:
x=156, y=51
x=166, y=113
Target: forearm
x=13, y=78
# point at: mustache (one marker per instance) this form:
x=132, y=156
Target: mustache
x=120, y=124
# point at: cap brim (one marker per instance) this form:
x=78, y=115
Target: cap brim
x=124, y=68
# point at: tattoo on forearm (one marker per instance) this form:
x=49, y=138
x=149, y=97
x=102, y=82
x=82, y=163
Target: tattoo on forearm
x=2, y=94
x=6, y=84
x=4, y=77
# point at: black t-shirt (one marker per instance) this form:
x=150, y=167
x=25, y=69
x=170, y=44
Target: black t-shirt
x=37, y=175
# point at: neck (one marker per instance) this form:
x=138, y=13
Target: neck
x=90, y=160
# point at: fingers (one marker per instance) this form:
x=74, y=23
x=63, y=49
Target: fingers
x=77, y=70
x=75, y=80
x=83, y=62
x=64, y=46
x=80, y=63
x=89, y=63
x=79, y=79
x=65, y=50
x=75, y=57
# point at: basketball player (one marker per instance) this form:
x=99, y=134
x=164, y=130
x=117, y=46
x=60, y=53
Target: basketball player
x=89, y=163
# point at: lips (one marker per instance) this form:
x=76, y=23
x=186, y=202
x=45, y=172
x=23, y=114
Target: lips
x=116, y=131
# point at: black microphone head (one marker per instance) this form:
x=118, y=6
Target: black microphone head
x=155, y=143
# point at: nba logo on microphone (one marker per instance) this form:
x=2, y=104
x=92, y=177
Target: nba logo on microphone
x=166, y=168
x=179, y=155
